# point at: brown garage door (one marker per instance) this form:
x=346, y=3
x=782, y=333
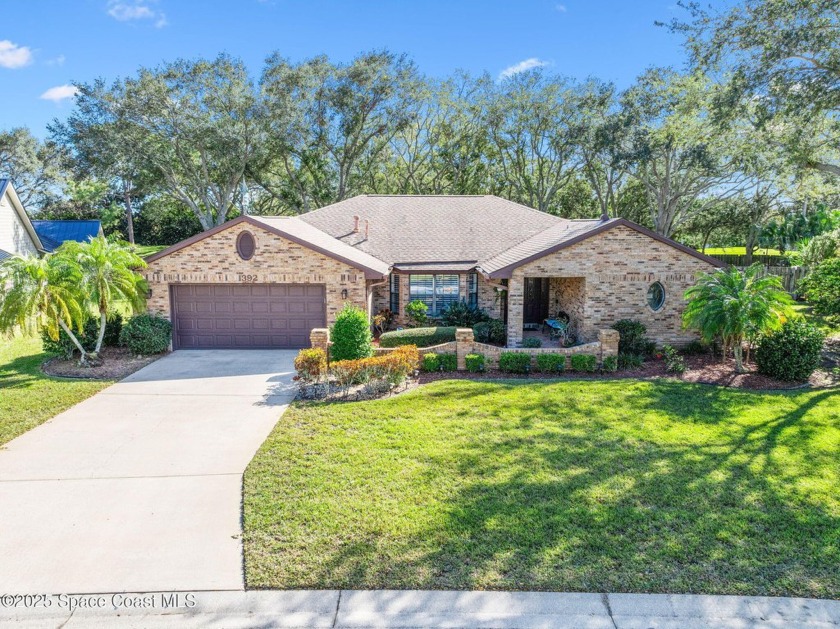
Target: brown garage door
x=233, y=316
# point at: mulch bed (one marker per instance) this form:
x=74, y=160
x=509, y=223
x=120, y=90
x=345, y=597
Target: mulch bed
x=699, y=369
x=115, y=363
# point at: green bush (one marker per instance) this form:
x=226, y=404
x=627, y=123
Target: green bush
x=532, y=342
x=421, y=337
x=790, y=353
x=350, y=335
x=610, y=364
x=475, y=362
x=822, y=287
x=461, y=315
x=696, y=348
x=551, y=363
x=630, y=361
x=311, y=364
x=417, y=311
x=584, y=362
x=514, y=362
x=448, y=362
x=491, y=331
x=674, y=363
x=65, y=347
x=632, y=339
x=147, y=334
x=430, y=362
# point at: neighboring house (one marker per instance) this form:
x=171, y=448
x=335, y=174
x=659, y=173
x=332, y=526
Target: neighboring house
x=21, y=236
x=260, y=281
x=17, y=235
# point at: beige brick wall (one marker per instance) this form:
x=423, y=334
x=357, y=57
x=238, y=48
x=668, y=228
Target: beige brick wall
x=276, y=260
x=617, y=267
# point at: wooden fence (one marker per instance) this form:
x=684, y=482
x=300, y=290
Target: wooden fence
x=791, y=276
x=741, y=260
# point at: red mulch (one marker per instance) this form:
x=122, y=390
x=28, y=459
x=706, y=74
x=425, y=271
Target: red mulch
x=699, y=369
x=115, y=363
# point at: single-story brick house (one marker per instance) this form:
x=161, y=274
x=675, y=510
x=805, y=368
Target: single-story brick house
x=265, y=281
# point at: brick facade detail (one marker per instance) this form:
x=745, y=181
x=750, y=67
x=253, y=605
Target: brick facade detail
x=276, y=260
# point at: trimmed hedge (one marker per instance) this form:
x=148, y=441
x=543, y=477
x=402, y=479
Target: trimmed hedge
x=514, y=362
x=790, y=353
x=610, y=363
x=632, y=339
x=475, y=362
x=147, y=334
x=350, y=335
x=584, y=362
x=430, y=362
x=551, y=363
x=421, y=337
x=440, y=362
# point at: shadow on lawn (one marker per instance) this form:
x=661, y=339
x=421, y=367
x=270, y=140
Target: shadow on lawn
x=22, y=372
x=599, y=507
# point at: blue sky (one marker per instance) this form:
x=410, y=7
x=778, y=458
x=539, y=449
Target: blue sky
x=47, y=45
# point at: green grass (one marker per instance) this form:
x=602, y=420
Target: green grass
x=651, y=486
x=740, y=251
x=147, y=250
x=27, y=396
x=830, y=328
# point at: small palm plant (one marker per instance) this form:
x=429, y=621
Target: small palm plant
x=109, y=277
x=736, y=306
x=43, y=293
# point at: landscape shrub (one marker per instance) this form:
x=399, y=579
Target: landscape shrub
x=387, y=369
x=550, y=363
x=409, y=355
x=532, y=342
x=64, y=346
x=790, y=353
x=475, y=362
x=383, y=320
x=421, y=337
x=417, y=311
x=462, y=315
x=448, y=362
x=632, y=339
x=630, y=361
x=311, y=364
x=514, y=362
x=674, y=363
x=696, y=348
x=147, y=334
x=822, y=287
x=609, y=364
x=584, y=362
x=350, y=334
x=492, y=331
x=431, y=362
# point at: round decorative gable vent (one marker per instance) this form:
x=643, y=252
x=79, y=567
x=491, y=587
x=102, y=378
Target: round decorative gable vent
x=246, y=245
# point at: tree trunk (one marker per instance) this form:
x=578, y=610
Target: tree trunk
x=103, y=320
x=129, y=215
x=69, y=333
x=739, y=358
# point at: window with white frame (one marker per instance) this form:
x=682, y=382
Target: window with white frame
x=436, y=291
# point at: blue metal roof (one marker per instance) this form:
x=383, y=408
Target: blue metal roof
x=54, y=233
x=3, y=184
x=4, y=255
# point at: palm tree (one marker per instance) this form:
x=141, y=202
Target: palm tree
x=108, y=275
x=735, y=306
x=42, y=293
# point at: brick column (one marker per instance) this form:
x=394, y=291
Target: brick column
x=609, y=343
x=464, y=344
x=320, y=338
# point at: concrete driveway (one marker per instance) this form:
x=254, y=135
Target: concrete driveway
x=139, y=487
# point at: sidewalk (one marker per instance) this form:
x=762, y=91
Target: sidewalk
x=410, y=609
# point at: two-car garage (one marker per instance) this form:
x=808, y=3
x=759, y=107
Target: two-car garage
x=246, y=316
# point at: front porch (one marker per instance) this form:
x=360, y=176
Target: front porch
x=547, y=298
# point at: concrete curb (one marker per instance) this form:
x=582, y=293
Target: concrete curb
x=396, y=609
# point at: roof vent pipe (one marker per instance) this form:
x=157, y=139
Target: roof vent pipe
x=356, y=224
x=367, y=228
x=605, y=216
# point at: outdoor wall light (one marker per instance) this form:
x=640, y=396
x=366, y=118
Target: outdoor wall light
x=148, y=293
x=344, y=293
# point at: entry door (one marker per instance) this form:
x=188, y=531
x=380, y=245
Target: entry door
x=536, y=300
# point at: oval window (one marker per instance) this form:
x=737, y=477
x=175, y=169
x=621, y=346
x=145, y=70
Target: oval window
x=656, y=296
x=245, y=245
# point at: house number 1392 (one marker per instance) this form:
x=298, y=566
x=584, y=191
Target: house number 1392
x=247, y=278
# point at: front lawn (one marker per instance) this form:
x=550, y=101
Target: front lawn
x=610, y=486
x=27, y=396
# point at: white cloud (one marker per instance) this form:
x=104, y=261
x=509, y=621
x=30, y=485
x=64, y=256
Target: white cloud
x=13, y=56
x=136, y=10
x=561, y=8
x=522, y=66
x=59, y=93
x=58, y=61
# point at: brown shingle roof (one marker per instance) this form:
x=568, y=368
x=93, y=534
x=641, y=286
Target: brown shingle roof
x=415, y=229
